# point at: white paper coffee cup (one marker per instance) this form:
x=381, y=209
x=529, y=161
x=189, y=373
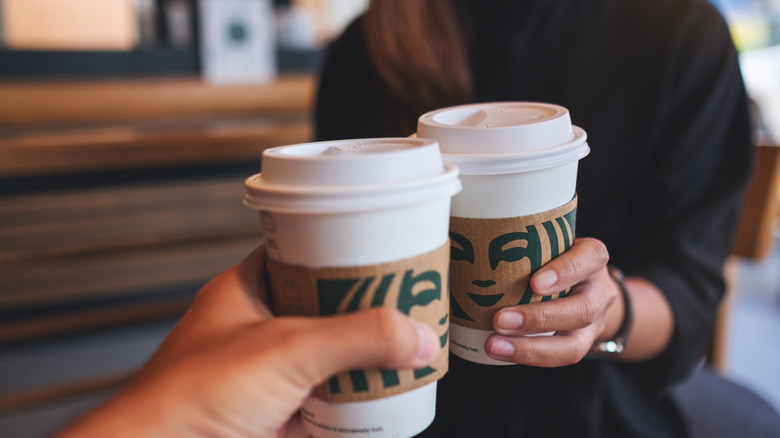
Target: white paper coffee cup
x=516, y=159
x=331, y=208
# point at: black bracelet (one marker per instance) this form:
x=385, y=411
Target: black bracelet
x=617, y=344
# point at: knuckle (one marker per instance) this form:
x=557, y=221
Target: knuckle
x=533, y=354
x=598, y=250
x=589, y=311
x=571, y=266
x=286, y=334
x=387, y=324
x=542, y=319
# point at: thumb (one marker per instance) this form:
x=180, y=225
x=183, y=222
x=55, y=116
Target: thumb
x=380, y=337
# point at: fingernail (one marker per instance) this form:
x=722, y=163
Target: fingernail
x=545, y=279
x=510, y=320
x=502, y=348
x=427, y=343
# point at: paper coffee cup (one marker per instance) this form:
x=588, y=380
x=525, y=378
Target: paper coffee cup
x=351, y=225
x=518, y=165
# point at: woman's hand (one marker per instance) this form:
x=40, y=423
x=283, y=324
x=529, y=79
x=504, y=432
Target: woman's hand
x=229, y=368
x=591, y=311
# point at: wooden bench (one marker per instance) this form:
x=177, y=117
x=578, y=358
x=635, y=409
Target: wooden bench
x=120, y=189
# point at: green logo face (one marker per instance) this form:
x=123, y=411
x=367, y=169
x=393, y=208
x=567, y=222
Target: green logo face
x=491, y=270
x=349, y=295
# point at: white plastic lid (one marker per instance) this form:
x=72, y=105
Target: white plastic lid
x=504, y=137
x=351, y=175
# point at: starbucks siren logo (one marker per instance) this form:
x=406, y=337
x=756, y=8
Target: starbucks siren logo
x=492, y=261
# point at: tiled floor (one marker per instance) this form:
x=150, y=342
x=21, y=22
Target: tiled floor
x=754, y=358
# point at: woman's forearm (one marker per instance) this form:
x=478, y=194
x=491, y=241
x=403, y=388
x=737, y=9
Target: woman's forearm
x=653, y=321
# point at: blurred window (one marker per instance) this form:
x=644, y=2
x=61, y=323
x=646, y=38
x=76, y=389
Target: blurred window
x=754, y=23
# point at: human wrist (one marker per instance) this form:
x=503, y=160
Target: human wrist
x=620, y=321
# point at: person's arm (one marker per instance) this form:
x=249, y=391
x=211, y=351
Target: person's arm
x=686, y=216
x=682, y=223
x=229, y=368
x=653, y=321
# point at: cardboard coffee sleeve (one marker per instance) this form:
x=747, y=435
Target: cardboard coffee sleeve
x=416, y=286
x=493, y=260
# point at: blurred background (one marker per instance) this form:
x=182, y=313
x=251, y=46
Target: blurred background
x=126, y=130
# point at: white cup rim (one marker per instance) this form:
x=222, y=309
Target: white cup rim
x=522, y=161
x=431, y=117
x=350, y=198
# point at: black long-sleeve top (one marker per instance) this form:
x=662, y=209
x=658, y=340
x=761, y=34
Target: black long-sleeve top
x=656, y=85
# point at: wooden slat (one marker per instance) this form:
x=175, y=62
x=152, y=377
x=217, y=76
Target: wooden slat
x=120, y=273
x=762, y=205
x=37, y=396
x=27, y=102
x=719, y=349
x=100, y=318
x=119, y=241
x=128, y=238
x=101, y=219
x=754, y=240
x=72, y=150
